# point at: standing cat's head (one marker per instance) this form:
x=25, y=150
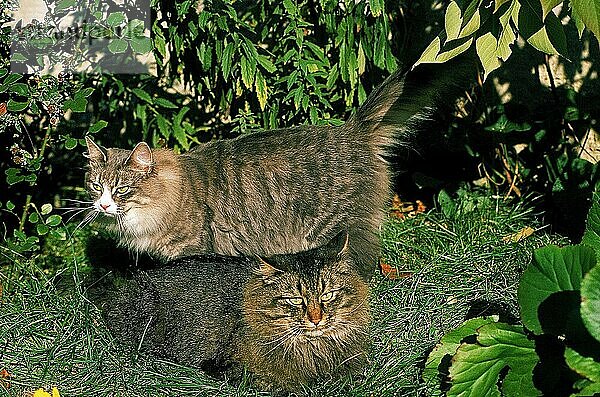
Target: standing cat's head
x=115, y=177
x=312, y=307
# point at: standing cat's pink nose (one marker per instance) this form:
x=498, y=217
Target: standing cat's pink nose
x=104, y=206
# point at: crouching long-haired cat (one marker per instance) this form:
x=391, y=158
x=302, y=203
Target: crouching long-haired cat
x=289, y=319
x=265, y=193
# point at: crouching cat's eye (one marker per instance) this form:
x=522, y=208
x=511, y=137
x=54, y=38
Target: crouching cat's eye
x=326, y=297
x=122, y=189
x=295, y=301
x=96, y=186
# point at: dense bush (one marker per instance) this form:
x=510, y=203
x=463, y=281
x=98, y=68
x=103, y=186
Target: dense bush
x=224, y=68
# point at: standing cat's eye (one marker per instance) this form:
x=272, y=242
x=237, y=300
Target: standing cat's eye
x=122, y=189
x=96, y=186
x=326, y=297
x=295, y=301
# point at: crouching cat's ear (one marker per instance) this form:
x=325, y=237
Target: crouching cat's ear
x=140, y=158
x=265, y=269
x=95, y=152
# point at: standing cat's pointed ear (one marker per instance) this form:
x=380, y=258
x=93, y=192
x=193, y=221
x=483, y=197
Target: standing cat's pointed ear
x=265, y=269
x=338, y=245
x=95, y=152
x=140, y=158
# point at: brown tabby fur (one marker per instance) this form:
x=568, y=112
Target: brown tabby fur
x=270, y=192
x=226, y=313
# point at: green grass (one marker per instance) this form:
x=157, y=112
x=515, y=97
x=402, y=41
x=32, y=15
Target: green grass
x=51, y=335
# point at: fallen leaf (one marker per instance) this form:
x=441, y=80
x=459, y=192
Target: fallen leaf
x=392, y=272
x=4, y=378
x=2, y=109
x=403, y=209
x=518, y=236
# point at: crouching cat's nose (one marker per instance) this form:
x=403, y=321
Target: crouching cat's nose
x=104, y=206
x=315, y=315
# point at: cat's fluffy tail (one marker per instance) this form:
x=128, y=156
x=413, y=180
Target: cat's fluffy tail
x=407, y=97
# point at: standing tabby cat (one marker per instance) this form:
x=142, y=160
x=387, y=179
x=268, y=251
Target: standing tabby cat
x=289, y=319
x=270, y=192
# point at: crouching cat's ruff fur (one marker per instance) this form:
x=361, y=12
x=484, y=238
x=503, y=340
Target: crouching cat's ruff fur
x=289, y=319
x=270, y=192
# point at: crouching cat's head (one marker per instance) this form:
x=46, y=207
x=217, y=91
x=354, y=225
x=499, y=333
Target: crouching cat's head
x=309, y=313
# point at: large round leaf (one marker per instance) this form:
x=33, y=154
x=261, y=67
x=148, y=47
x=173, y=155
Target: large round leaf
x=590, y=302
x=552, y=270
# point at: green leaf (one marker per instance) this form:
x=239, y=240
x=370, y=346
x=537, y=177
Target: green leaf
x=552, y=270
x=53, y=220
x=486, y=50
x=64, y=4
x=248, y=68
x=266, y=63
x=476, y=368
x=11, y=78
x=15, y=106
x=584, y=366
x=498, y=4
x=471, y=26
x=590, y=303
x=448, y=346
x=117, y=46
x=84, y=93
x=70, y=143
x=33, y=217
x=578, y=21
x=589, y=12
x=20, y=89
x=261, y=90
x=165, y=103
x=97, y=126
x=163, y=126
x=115, y=19
x=591, y=236
x=41, y=229
x=227, y=59
x=142, y=95
x=377, y=7
x=452, y=21
x=548, y=5
x=507, y=35
x=46, y=209
x=431, y=52
x=141, y=44
x=13, y=176
x=448, y=205
x=361, y=59
x=77, y=104
x=10, y=206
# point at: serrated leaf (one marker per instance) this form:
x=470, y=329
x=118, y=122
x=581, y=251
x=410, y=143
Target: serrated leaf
x=584, y=366
x=448, y=346
x=261, y=90
x=163, y=126
x=361, y=59
x=248, y=69
x=12, y=78
x=77, y=104
x=590, y=303
x=97, y=126
x=454, y=52
x=117, y=46
x=486, y=50
x=377, y=7
x=141, y=44
x=227, y=60
x=115, y=19
x=142, y=94
x=165, y=103
x=551, y=271
x=53, y=220
x=452, y=21
x=589, y=12
x=591, y=236
x=46, y=209
x=476, y=368
x=266, y=63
